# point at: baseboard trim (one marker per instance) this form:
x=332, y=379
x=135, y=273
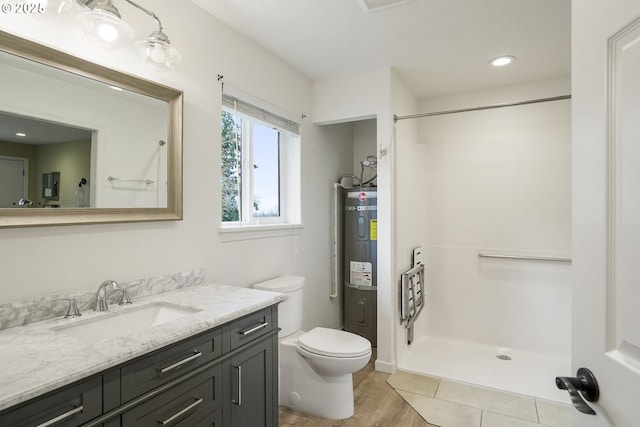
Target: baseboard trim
x=384, y=366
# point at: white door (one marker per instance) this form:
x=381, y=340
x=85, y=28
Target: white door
x=13, y=185
x=606, y=206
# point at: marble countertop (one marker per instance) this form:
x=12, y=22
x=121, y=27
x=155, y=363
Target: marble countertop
x=37, y=359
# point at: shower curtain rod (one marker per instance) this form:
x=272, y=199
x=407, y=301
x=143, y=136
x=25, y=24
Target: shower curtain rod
x=485, y=107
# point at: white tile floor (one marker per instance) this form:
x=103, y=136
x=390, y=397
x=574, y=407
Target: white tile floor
x=451, y=404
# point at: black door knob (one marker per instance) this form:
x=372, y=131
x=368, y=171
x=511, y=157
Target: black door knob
x=582, y=385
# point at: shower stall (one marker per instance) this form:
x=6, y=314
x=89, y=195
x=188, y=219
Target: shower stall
x=495, y=208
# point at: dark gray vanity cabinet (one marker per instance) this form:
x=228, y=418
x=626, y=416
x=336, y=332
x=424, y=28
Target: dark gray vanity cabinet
x=70, y=406
x=253, y=371
x=254, y=400
x=187, y=404
x=225, y=377
x=169, y=363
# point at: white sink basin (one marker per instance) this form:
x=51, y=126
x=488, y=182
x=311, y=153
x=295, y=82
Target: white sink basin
x=125, y=322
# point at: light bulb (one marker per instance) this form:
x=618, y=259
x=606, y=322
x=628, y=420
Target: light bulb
x=107, y=32
x=157, y=54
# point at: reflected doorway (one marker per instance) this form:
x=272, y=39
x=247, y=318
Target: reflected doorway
x=14, y=181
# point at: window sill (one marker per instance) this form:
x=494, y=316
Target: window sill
x=262, y=231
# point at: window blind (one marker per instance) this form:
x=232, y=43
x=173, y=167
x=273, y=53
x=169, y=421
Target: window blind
x=260, y=114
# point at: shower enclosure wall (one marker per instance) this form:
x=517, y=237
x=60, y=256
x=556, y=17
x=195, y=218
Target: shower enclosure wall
x=494, y=182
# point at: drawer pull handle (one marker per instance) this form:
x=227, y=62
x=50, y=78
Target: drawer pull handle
x=239, y=400
x=63, y=416
x=180, y=413
x=255, y=328
x=194, y=356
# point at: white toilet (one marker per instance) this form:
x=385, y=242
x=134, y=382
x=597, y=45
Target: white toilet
x=315, y=367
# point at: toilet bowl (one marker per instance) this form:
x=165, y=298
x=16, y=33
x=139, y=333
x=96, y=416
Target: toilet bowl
x=332, y=352
x=315, y=367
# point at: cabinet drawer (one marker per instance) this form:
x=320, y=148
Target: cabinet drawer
x=69, y=407
x=248, y=328
x=188, y=404
x=210, y=420
x=162, y=366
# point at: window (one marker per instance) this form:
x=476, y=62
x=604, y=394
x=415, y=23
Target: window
x=260, y=166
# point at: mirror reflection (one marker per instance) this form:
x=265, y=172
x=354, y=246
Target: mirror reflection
x=43, y=164
x=81, y=143
x=81, y=129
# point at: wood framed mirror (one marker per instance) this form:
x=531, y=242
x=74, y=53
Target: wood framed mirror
x=129, y=141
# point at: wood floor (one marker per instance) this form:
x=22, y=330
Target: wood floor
x=377, y=404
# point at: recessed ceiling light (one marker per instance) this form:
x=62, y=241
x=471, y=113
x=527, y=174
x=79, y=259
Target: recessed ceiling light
x=501, y=61
x=119, y=89
x=20, y=134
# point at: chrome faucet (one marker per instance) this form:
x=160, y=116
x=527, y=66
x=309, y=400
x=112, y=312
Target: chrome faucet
x=72, y=311
x=101, y=299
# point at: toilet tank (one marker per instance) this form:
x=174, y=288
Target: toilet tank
x=290, y=310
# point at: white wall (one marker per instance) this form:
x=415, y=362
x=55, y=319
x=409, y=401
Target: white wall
x=499, y=181
x=364, y=144
x=325, y=163
x=81, y=257
x=352, y=98
x=411, y=208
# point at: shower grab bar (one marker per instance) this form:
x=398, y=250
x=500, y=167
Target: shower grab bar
x=334, y=290
x=524, y=257
x=113, y=178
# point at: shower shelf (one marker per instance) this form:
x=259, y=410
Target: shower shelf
x=412, y=297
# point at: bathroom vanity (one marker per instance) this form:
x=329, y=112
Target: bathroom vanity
x=214, y=365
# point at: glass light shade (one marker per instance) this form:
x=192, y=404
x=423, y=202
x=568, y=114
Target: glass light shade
x=105, y=29
x=58, y=7
x=159, y=53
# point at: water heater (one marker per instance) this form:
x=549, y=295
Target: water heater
x=360, y=262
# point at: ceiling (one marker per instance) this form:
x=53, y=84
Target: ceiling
x=437, y=46
x=38, y=131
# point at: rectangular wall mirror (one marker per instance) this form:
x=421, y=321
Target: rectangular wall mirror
x=82, y=143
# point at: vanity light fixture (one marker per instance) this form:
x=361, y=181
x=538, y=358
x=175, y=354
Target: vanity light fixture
x=58, y=6
x=501, y=61
x=105, y=26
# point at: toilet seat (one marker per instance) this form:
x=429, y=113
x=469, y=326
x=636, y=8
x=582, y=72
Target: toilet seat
x=334, y=343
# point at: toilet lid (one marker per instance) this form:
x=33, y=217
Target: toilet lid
x=334, y=343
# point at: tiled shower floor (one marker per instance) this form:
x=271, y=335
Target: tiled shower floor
x=451, y=404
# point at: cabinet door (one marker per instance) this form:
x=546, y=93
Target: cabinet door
x=253, y=385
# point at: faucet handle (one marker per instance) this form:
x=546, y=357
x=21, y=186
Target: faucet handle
x=126, y=300
x=72, y=311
